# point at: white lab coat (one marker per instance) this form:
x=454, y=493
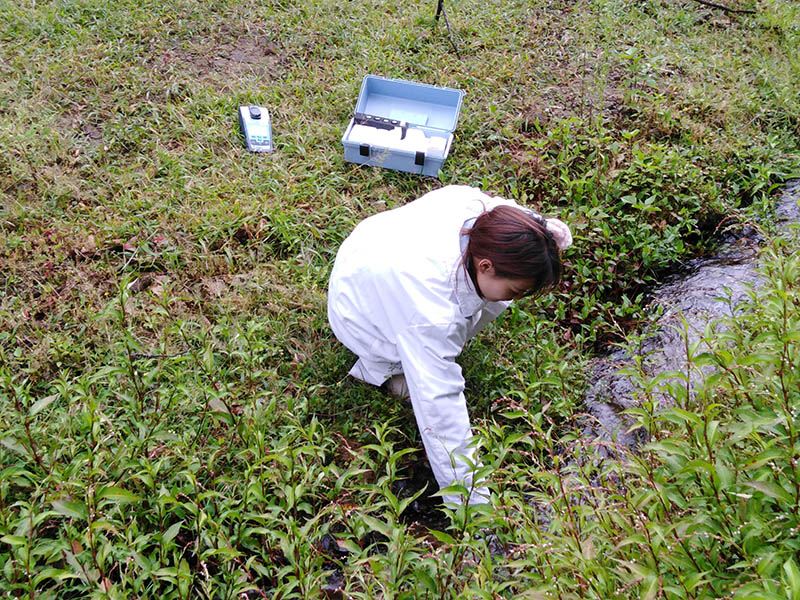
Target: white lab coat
x=400, y=298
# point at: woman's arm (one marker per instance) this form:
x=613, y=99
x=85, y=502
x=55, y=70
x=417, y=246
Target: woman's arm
x=436, y=386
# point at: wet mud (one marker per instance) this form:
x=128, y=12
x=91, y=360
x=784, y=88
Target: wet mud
x=421, y=515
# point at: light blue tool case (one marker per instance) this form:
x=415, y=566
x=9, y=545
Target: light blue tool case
x=402, y=125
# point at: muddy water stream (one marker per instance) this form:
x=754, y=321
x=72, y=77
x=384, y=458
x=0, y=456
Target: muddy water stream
x=707, y=289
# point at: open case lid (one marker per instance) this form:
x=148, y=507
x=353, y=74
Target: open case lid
x=416, y=103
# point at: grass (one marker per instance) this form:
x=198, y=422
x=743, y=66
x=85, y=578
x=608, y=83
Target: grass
x=176, y=418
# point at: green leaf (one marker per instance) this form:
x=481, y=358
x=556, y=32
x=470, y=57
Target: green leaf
x=535, y=595
x=768, y=564
x=117, y=494
x=696, y=465
x=764, y=457
x=166, y=572
x=350, y=546
x=14, y=445
x=711, y=432
x=217, y=405
x=70, y=508
x=103, y=525
x=650, y=588
x=679, y=415
x=184, y=577
x=377, y=525
x=726, y=476
x=54, y=574
x=41, y=404
x=223, y=551
x=695, y=579
x=773, y=490
x=208, y=359
x=170, y=533
x=347, y=475
x=754, y=591
x=793, y=578
x=443, y=537
x=426, y=580
x=639, y=571
x=14, y=540
x=455, y=489
x=86, y=575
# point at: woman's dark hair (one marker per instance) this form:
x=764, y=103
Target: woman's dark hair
x=517, y=243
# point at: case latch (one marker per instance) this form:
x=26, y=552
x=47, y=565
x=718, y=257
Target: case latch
x=419, y=159
x=363, y=149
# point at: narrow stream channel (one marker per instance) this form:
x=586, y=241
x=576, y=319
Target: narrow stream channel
x=708, y=289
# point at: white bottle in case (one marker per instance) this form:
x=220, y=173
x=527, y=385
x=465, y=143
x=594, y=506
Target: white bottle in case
x=256, y=128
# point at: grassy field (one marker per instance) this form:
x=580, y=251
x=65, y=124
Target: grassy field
x=176, y=421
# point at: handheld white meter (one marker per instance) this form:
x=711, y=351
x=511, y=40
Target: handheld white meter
x=256, y=128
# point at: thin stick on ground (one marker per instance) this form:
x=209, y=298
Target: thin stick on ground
x=726, y=8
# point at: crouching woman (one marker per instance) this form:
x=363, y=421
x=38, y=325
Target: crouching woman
x=411, y=286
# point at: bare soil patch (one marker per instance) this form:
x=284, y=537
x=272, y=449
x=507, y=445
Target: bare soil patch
x=222, y=57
